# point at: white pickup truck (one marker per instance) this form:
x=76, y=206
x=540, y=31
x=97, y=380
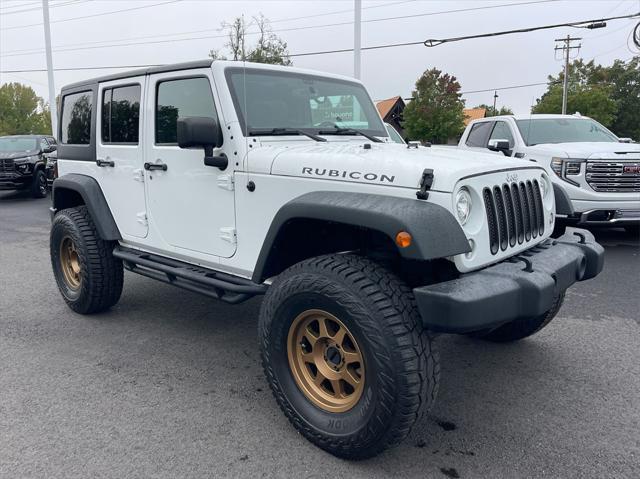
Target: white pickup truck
x=596, y=175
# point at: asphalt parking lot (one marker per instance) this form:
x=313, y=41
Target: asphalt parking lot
x=168, y=384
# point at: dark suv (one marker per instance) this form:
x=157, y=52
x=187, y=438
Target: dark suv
x=22, y=162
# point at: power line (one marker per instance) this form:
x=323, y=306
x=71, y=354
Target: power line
x=432, y=42
x=71, y=2
x=94, y=15
x=151, y=42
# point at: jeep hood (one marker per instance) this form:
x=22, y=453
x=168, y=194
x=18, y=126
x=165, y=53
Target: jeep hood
x=591, y=150
x=15, y=155
x=388, y=164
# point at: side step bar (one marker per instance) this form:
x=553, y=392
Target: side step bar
x=214, y=284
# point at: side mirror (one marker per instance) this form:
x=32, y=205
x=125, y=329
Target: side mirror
x=203, y=132
x=500, y=145
x=50, y=149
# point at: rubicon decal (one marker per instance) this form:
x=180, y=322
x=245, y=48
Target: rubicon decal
x=349, y=175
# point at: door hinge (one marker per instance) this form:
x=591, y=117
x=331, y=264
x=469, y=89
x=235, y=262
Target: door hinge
x=228, y=234
x=225, y=182
x=138, y=175
x=142, y=218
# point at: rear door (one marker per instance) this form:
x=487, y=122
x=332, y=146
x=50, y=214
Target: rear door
x=120, y=153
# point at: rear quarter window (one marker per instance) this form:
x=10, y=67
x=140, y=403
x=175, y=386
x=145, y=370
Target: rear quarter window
x=75, y=125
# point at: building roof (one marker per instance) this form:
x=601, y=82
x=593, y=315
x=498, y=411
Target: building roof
x=471, y=114
x=385, y=106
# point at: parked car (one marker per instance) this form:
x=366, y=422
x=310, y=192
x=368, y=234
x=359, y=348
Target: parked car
x=394, y=135
x=595, y=173
x=235, y=179
x=22, y=163
x=51, y=168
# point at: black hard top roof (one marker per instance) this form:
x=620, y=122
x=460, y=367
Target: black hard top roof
x=143, y=71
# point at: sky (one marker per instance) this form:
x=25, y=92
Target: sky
x=166, y=31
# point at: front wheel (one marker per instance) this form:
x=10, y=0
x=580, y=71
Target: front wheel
x=39, y=185
x=522, y=328
x=345, y=354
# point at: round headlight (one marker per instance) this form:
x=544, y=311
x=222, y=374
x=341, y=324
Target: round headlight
x=463, y=206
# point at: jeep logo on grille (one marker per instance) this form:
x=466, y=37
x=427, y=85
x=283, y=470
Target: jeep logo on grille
x=512, y=177
x=631, y=169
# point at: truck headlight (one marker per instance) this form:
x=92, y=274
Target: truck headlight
x=463, y=205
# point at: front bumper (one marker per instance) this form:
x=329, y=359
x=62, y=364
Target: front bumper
x=521, y=287
x=15, y=182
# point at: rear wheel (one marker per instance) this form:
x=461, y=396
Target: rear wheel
x=39, y=185
x=345, y=354
x=88, y=276
x=522, y=328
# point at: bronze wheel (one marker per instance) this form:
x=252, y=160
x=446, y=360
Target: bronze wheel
x=325, y=360
x=70, y=263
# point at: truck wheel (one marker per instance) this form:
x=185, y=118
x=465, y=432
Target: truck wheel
x=522, y=328
x=345, y=354
x=39, y=185
x=88, y=276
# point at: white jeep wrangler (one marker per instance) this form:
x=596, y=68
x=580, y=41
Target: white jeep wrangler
x=235, y=180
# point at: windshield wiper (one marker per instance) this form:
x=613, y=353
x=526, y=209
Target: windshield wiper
x=349, y=131
x=283, y=131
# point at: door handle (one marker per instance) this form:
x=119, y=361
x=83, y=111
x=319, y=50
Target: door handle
x=155, y=166
x=105, y=162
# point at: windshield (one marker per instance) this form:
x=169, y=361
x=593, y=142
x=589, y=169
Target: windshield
x=278, y=99
x=393, y=134
x=563, y=130
x=18, y=144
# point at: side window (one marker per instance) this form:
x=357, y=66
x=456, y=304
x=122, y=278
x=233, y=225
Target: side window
x=478, y=134
x=121, y=114
x=502, y=132
x=180, y=98
x=76, y=118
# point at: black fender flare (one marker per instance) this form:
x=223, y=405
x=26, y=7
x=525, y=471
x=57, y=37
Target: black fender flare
x=563, y=202
x=92, y=196
x=436, y=233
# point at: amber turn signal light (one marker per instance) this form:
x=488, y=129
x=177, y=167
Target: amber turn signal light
x=403, y=239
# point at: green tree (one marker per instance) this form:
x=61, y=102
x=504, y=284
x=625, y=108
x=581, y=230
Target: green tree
x=624, y=78
x=435, y=110
x=268, y=49
x=588, y=92
x=22, y=112
x=504, y=110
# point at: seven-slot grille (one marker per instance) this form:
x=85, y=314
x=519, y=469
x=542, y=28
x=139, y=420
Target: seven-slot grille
x=6, y=166
x=514, y=214
x=611, y=177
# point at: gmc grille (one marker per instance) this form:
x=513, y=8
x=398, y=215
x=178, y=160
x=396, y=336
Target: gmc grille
x=6, y=166
x=514, y=214
x=612, y=178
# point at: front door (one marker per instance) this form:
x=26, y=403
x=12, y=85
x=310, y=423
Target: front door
x=191, y=205
x=119, y=153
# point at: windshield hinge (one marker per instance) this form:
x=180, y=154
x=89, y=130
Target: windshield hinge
x=225, y=182
x=425, y=184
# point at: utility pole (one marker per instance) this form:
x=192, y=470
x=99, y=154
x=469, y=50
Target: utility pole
x=53, y=108
x=566, y=49
x=495, y=97
x=357, y=24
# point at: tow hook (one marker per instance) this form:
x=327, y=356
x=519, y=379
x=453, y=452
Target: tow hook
x=425, y=184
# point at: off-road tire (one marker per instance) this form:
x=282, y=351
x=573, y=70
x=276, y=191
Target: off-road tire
x=39, y=185
x=101, y=275
x=522, y=328
x=401, y=363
